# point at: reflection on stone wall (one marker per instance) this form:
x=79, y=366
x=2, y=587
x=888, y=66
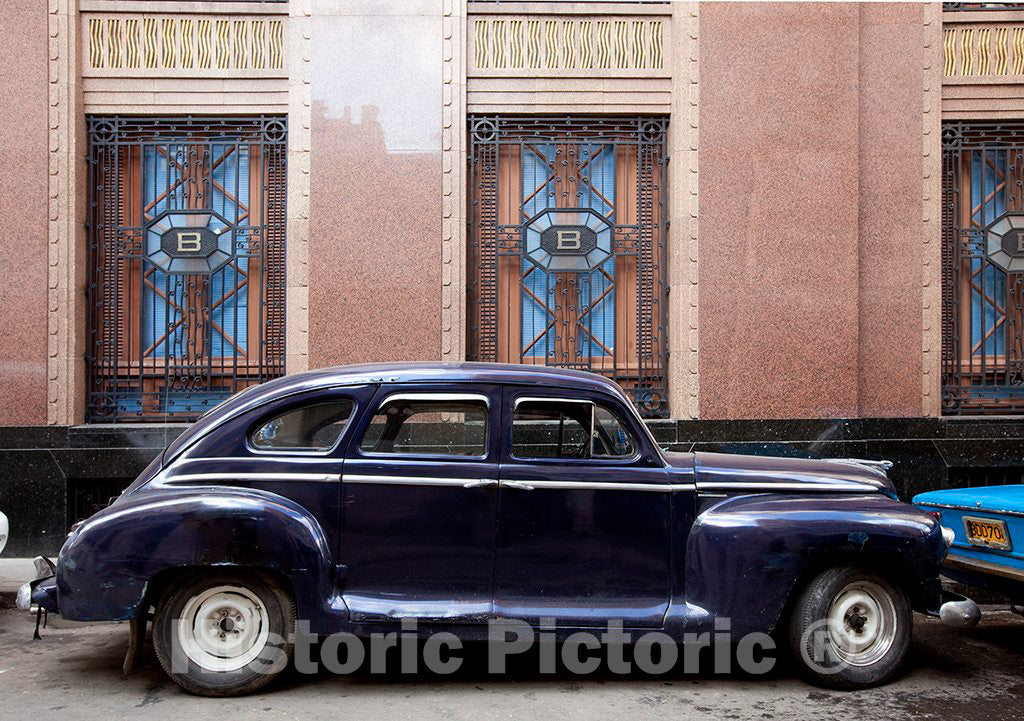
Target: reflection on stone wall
x=375, y=178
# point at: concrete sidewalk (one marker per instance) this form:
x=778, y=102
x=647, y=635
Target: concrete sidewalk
x=14, y=572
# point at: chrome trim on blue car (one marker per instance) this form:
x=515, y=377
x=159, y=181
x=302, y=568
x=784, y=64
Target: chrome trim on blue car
x=974, y=564
x=972, y=509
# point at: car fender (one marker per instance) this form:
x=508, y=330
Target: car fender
x=105, y=566
x=747, y=555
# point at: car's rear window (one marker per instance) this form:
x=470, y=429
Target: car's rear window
x=314, y=427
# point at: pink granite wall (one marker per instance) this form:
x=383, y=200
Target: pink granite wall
x=23, y=210
x=891, y=128
x=810, y=207
x=375, y=182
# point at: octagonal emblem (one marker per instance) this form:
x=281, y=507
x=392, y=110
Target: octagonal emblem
x=568, y=239
x=1004, y=242
x=189, y=241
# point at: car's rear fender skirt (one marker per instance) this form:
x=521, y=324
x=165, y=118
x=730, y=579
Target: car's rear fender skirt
x=746, y=555
x=107, y=565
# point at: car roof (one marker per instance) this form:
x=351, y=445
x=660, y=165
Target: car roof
x=421, y=372
x=433, y=372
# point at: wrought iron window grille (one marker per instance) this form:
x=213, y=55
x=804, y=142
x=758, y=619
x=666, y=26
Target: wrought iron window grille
x=567, y=247
x=186, y=262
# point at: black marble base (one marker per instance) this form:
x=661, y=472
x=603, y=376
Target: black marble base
x=40, y=464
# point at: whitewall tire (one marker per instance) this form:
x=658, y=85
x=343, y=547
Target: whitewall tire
x=224, y=634
x=850, y=629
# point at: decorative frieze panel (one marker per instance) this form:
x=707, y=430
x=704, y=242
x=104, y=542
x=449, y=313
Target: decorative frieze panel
x=982, y=64
x=568, y=43
x=983, y=51
x=210, y=57
x=541, y=57
x=182, y=45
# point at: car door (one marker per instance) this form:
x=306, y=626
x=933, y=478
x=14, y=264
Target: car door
x=584, y=513
x=419, y=498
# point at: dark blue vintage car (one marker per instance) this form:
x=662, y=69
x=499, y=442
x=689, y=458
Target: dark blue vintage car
x=355, y=498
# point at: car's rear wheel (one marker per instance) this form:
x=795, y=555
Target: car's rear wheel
x=850, y=628
x=224, y=634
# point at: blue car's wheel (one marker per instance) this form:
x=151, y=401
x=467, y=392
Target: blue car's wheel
x=224, y=634
x=850, y=629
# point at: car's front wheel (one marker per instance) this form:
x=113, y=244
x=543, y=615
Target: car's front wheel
x=224, y=634
x=850, y=628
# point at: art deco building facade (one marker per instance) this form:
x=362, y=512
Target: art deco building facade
x=782, y=228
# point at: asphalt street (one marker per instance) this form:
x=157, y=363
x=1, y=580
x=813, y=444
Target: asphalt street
x=75, y=673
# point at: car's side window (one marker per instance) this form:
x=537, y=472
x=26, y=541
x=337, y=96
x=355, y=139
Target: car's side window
x=427, y=426
x=548, y=428
x=312, y=428
x=611, y=438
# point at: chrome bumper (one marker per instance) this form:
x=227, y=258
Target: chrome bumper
x=41, y=591
x=24, y=598
x=958, y=611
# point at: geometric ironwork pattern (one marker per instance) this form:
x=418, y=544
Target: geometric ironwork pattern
x=983, y=268
x=567, y=256
x=554, y=242
x=186, y=262
x=187, y=241
x=1004, y=240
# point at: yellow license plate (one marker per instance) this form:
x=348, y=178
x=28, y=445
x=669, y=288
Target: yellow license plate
x=987, y=532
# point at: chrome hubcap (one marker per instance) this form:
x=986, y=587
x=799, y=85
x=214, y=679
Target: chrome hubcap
x=862, y=623
x=223, y=629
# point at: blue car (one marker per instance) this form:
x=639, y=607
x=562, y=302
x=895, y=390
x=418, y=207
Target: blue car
x=361, y=498
x=988, y=548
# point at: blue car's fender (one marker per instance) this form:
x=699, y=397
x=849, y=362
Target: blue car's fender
x=746, y=555
x=106, y=565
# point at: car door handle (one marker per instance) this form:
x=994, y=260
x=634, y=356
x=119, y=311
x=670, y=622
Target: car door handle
x=519, y=485
x=480, y=483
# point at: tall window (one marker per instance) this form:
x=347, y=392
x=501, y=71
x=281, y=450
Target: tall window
x=983, y=267
x=567, y=247
x=186, y=262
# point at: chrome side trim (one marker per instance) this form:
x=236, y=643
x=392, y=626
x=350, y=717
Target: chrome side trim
x=797, y=486
x=229, y=476
x=876, y=465
x=262, y=458
x=521, y=484
x=550, y=399
x=414, y=396
x=599, y=486
x=418, y=480
x=480, y=483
